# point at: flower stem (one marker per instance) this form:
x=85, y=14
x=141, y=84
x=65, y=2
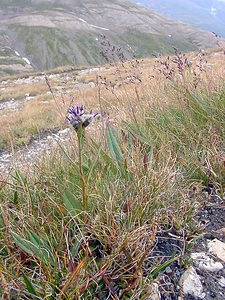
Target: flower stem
x=80, y=136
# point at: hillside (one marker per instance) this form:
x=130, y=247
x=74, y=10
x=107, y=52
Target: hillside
x=40, y=35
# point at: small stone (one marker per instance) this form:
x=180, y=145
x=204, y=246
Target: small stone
x=153, y=292
x=222, y=231
x=168, y=270
x=212, y=294
x=205, y=263
x=192, y=284
x=218, y=248
x=222, y=282
x=64, y=132
x=91, y=84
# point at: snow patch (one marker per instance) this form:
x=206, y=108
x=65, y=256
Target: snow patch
x=98, y=27
x=91, y=25
x=82, y=20
x=17, y=53
x=26, y=60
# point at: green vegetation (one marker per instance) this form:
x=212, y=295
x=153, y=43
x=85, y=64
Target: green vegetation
x=10, y=72
x=12, y=61
x=10, y=64
x=88, y=47
x=6, y=52
x=8, y=58
x=49, y=41
x=144, y=44
x=57, y=47
x=84, y=225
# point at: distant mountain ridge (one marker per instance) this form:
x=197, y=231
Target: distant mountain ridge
x=206, y=14
x=43, y=34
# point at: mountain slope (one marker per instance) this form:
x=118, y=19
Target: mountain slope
x=207, y=14
x=55, y=32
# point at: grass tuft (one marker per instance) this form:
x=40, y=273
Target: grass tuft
x=142, y=170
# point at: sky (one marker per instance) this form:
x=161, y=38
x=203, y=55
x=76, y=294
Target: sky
x=206, y=14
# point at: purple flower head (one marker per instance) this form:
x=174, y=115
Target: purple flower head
x=77, y=117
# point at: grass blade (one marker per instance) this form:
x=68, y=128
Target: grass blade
x=29, y=285
x=113, y=145
x=72, y=204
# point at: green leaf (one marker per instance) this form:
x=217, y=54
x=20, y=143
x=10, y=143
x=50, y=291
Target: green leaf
x=162, y=267
x=73, y=205
x=138, y=135
x=22, y=243
x=39, y=251
x=107, y=159
x=113, y=145
x=93, y=166
x=15, y=198
x=29, y=285
x=150, y=156
x=75, y=248
x=35, y=239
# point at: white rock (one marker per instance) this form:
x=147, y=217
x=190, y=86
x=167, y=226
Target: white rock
x=204, y=262
x=192, y=284
x=153, y=292
x=64, y=132
x=52, y=76
x=222, y=282
x=91, y=84
x=218, y=248
x=30, y=98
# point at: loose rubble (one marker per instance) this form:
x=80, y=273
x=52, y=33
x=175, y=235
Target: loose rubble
x=205, y=263
x=204, y=277
x=27, y=156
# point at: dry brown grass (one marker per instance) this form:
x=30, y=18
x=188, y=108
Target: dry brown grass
x=96, y=209
x=116, y=93
x=19, y=91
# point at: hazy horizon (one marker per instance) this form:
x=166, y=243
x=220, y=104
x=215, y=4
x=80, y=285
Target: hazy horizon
x=206, y=14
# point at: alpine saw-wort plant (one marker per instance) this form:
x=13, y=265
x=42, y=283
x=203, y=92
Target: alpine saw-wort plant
x=80, y=119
